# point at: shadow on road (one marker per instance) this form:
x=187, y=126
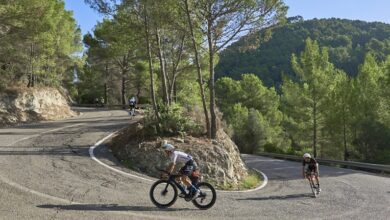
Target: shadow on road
x=283, y=197
x=47, y=150
x=106, y=207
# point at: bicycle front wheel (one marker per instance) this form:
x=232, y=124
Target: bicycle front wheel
x=313, y=189
x=206, y=197
x=163, y=194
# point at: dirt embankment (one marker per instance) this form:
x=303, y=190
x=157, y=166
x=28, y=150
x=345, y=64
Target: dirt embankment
x=20, y=105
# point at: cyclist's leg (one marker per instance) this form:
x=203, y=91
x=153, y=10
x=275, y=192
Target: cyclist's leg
x=132, y=109
x=184, y=178
x=317, y=177
x=318, y=174
x=308, y=174
x=186, y=171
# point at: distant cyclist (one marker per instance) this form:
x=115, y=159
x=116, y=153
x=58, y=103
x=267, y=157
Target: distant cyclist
x=189, y=166
x=132, y=104
x=310, y=166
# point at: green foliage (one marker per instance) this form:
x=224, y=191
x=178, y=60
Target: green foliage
x=251, y=181
x=372, y=141
x=322, y=110
x=308, y=96
x=173, y=122
x=38, y=42
x=348, y=42
x=252, y=110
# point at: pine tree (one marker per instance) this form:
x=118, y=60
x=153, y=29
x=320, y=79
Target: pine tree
x=315, y=74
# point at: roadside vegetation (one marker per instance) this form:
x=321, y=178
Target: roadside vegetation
x=322, y=110
x=323, y=90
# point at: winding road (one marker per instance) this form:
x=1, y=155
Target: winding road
x=46, y=172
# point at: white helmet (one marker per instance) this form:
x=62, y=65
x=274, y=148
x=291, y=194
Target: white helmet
x=168, y=147
x=306, y=155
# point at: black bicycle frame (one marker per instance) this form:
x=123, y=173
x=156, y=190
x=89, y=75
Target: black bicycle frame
x=172, y=179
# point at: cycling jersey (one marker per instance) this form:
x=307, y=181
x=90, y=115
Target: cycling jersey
x=311, y=165
x=178, y=156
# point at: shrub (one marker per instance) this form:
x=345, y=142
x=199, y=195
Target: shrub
x=173, y=122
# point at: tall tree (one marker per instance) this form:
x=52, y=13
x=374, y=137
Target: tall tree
x=315, y=74
x=258, y=106
x=222, y=21
x=338, y=117
x=41, y=38
x=195, y=46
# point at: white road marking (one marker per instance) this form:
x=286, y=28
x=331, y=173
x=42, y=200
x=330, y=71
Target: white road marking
x=23, y=188
x=265, y=182
x=91, y=154
x=47, y=196
x=92, y=148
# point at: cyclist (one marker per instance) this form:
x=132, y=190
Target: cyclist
x=132, y=103
x=185, y=171
x=310, y=166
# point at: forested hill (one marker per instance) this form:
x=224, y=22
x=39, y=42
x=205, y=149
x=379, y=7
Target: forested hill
x=348, y=42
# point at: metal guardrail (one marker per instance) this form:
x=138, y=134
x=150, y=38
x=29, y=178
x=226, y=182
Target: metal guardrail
x=367, y=166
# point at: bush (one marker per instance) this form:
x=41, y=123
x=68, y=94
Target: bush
x=173, y=122
x=144, y=100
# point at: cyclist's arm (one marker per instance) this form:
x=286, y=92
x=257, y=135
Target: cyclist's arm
x=173, y=163
x=317, y=168
x=171, y=167
x=303, y=171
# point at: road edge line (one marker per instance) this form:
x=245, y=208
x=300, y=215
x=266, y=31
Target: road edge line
x=265, y=182
x=92, y=155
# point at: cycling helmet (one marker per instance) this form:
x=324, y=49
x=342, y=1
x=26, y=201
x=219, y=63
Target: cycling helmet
x=168, y=147
x=306, y=155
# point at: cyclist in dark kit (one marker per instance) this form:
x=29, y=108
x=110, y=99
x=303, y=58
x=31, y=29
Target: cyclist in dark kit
x=309, y=166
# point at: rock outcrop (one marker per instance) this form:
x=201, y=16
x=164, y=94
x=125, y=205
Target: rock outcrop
x=27, y=105
x=219, y=160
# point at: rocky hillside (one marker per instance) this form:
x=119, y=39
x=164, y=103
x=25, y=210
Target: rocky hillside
x=219, y=160
x=26, y=105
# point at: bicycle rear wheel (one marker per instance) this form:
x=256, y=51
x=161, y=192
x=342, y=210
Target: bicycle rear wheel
x=207, y=196
x=163, y=194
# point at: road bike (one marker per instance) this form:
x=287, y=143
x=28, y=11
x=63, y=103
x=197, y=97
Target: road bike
x=163, y=192
x=313, y=187
x=132, y=111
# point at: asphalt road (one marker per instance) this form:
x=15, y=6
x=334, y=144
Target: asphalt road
x=46, y=172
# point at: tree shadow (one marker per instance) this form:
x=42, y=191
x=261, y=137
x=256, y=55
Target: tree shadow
x=107, y=207
x=282, y=197
x=47, y=150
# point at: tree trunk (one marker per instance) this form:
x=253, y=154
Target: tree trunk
x=199, y=70
x=147, y=41
x=106, y=85
x=211, y=82
x=123, y=90
x=315, y=129
x=124, y=68
x=31, y=76
x=162, y=69
x=346, y=154
x=175, y=66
